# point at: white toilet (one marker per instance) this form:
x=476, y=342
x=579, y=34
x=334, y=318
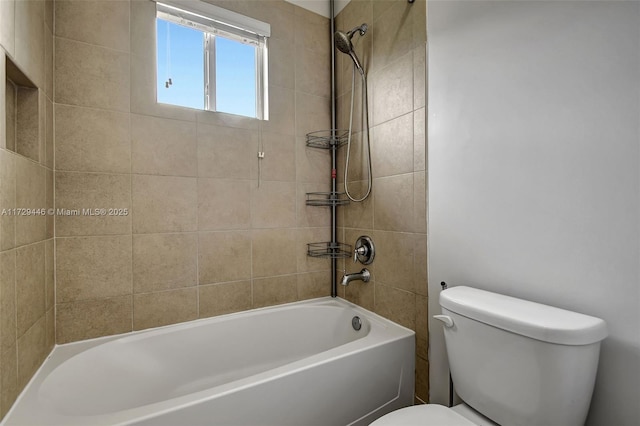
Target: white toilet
x=512, y=362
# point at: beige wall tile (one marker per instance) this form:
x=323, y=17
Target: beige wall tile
x=312, y=164
x=226, y=152
x=104, y=23
x=282, y=111
x=7, y=199
x=7, y=26
x=359, y=215
x=281, y=73
x=50, y=330
x=30, y=286
x=358, y=157
x=381, y=6
x=42, y=122
x=93, y=318
x=275, y=13
x=422, y=326
x=311, y=32
x=49, y=274
x=29, y=39
x=273, y=252
x=7, y=300
x=394, y=259
x=27, y=123
x=314, y=284
x=397, y=305
x=91, y=191
x=11, y=111
x=4, y=100
x=163, y=147
x=167, y=307
x=279, y=162
x=422, y=379
x=227, y=120
x=8, y=379
x=31, y=351
x=419, y=22
x=164, y=261
x=392, y=146
x=49, y=201
x=393, y=203
x=312, y=113
x=419, y=76
x=93, y=267
x=419, y=140
x=92, y=140
x=420, y=264
x=48, y=61
x=273, y=205
x=224, y=256
x=143, y=28
x=224, y=204
x=164, y=204
x=49, y=134
x=91, y=76
x=393, y=90
x=49, y=13
x=360, y=293
x=274, y=290
x=313, y=70
x=392, y=32
x=224, y=298
x=30, y=194
x=420, y=202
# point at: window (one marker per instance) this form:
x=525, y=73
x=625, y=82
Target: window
x=212, y=59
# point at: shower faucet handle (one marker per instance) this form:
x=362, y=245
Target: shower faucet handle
x=364, y=251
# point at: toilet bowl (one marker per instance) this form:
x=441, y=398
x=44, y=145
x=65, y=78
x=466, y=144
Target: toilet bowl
x=434, y=415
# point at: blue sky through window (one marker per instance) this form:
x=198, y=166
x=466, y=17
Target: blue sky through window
x=235, y=77
x=180, y=53
x=181, y=58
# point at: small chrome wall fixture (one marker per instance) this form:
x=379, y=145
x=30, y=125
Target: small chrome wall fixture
x=365, y=251
x=411, y=1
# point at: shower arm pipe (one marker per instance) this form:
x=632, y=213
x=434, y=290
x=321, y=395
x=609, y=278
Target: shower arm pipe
x=334, y=224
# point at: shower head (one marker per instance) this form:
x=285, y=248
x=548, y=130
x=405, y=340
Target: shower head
x=343, y=43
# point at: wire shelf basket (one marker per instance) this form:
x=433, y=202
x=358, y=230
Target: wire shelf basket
x=329, y=250
x=326, y=199
x=327, y=139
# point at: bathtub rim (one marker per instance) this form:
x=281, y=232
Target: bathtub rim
x=63, y=352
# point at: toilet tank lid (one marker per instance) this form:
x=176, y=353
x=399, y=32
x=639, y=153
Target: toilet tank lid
x=534, y=320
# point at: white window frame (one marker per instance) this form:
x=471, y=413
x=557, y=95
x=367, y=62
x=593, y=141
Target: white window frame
x=213, y=20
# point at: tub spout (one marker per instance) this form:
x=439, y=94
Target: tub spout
x=363, y=275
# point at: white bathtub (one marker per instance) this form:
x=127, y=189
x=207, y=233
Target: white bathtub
x=296, y=364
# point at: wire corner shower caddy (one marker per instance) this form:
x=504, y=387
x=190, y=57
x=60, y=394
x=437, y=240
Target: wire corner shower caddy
x=332, y=140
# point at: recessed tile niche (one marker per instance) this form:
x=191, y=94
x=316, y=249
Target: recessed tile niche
x=22, y=113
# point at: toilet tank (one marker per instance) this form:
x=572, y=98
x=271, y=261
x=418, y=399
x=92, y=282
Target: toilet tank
x=519, y=362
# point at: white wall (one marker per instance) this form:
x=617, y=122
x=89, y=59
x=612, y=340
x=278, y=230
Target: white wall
x=534, y=183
